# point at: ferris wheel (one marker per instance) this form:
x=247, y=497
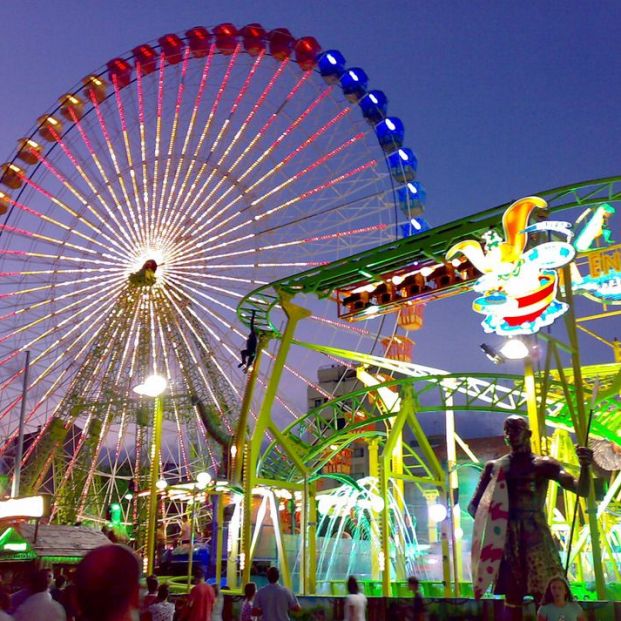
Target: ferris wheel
x=138, y=212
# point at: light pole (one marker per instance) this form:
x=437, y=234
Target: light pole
x=153, y=386
x=203, y=479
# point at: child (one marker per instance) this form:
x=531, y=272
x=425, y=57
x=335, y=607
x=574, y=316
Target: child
x=558, y=603
x=249, y=592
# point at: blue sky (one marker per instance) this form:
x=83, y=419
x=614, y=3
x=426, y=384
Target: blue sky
x=499, y=99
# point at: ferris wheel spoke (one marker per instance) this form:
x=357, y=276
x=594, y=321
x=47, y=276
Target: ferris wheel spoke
x=226, y=125
x=126, y=231
x=205, y=132
x=139, y=234
x=79, y=196
x=190, y=130
x=130, y=162
x=240, y=132
x=164, y=205
x=66, y=228
x=260, y=134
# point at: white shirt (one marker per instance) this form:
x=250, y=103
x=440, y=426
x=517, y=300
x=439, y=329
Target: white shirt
x=40, y=607
x=355, y=607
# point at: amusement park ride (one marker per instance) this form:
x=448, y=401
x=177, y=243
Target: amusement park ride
x=226, y=176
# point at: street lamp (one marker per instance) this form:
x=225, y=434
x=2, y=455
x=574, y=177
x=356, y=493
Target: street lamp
x=153, y=386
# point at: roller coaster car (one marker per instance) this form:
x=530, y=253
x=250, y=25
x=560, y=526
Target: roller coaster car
x=413, y=285
x=384, y=293
x=356, y=302
x=444, y=276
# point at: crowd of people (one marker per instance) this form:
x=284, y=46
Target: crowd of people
x=106, y=587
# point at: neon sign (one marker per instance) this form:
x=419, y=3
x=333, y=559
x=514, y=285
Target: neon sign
x=519, y=285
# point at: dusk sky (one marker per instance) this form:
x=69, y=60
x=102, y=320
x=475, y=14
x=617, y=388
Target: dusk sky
x=499, y=99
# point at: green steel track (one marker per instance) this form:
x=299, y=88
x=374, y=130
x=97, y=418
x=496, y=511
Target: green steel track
x=430, y=245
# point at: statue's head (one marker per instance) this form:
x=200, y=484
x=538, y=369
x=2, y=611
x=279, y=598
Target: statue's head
x=517, y=432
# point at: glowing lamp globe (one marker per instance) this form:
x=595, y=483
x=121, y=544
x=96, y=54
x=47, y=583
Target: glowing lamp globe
x=437, y=512
x=514, y=349
x=203, y=479
x=153, y=386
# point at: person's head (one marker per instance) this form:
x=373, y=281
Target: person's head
x=273, y=575
x=517, y=432
x=60, y=581
x=152, y=584
x=107, y=583
x=184, y=518
x=557, y=591
x=41, y=580
x=352, y=585
x=413, y=584
x=249, y=590
x=198, y=574
x=163, y=592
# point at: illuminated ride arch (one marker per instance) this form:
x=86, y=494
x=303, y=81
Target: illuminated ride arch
x=298, y=454
x=140, y=209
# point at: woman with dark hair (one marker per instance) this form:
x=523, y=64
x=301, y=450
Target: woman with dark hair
x=356, y=604
x=249, y=592
x=558, y=603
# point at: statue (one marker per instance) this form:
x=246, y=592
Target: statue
x=530, y=556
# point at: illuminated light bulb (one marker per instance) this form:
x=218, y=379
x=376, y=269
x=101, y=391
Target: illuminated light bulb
x=514, y=349
x=373, y=98
x=416, y=224
x=153, y=386
x=397, y=280
x=161, y=484
x=412, y=188
x=233, y=451
x=390, y=125
x=331, y=59
x=403, y=155
x=203, y=479
x=459, y=534
x=353, y=76
x=437, y=512
x=427, y=271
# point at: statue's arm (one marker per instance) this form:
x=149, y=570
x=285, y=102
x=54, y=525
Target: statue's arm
x=486, y=475
x=555, y=471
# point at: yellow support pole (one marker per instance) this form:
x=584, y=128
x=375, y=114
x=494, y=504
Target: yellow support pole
x=244, y=413
x=373, y=445
x=156, y=445
x=219, y=542
x=294, y=314
x=311, y=530
x=384, y=526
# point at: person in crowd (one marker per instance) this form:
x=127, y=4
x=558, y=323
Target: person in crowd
x=356, y=603
x=151, y=595
x=201, y=598
x=40, y=605
x=5, y=604
x=107, y=584
x=186, y=530
x=274, y=602
x=21, y=595
x=162, y=609
x=58, y=590
x=418, y=604
x=218, y=605
x=246, y=610
x=558, y=603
